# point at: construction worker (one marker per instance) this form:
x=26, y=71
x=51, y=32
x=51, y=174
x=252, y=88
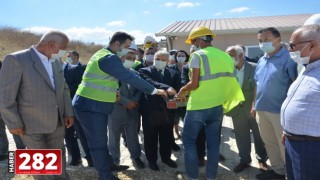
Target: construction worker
x=213, y=91
x=96, y=95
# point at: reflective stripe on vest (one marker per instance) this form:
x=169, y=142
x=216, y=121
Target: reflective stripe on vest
x=97, y=76
x=207, y=72
x=96, y=86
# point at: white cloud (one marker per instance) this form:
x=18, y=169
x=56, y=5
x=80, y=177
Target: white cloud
x=239, y=9
x=169, y=4
x=116, y=23
x=187, y=4
x=217, y=14
x=146, y=12
x=98, y=35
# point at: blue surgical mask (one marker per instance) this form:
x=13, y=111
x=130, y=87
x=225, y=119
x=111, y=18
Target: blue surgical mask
x=69, y=60
x=266, y=47
x=149, y=58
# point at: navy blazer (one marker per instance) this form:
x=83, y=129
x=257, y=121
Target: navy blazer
x=73, y=76
x=170, y=78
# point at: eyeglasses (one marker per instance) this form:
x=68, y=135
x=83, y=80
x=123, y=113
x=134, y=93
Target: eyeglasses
x=293, y=45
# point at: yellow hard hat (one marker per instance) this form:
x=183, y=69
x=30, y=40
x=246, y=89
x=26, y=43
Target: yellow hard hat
x=198, y=32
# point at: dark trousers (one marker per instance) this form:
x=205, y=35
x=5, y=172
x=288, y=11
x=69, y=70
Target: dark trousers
x=72, y=143
x=95, y=126
x=82, y=138
x=302, y=159
x=153, y=134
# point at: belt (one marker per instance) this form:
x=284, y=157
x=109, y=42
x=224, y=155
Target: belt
x=295, y=137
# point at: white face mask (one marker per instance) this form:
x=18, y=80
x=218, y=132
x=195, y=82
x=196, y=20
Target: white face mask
x=60, y=54
x=171, y=58
x=69, y=60
x=196, y=48
x=122, y=52
x=296, y=57
x=181, y=59
x=266, y=47
x=236, y=62
x=128, y=64
x=148, y=58
x=159, y=64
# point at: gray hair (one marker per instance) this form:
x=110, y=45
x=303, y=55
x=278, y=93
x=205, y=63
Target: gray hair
x=309, y=32
x=237, y=48
x=162, y=53
x=54, y=35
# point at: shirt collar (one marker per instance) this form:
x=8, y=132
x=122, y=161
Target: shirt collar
x=41, y=56
x=315, y=64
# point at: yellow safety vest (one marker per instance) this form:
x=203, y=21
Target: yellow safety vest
x=217, y=83
x=96, y=84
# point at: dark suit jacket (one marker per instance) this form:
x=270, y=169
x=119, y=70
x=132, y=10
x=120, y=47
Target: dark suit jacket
x=248, y=86
x=156, y=104
x=185, y=74
x=127, y=94
x=73, y=77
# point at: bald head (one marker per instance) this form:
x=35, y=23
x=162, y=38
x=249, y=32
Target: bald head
x=52, y=42
x=307, y=40
x=55, y=36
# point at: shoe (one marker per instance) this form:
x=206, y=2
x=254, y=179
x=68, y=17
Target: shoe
x=154, y=166
x=75, y=162
x=240, y=167
x=90, y=163
x=138, y=163
x=263, y=167
x=4, y=157
x=270, y=175
x=115, y=167
x=113, y=177
x=171, y=163
x=175, y=147
x=222, y=158
x=201, y=162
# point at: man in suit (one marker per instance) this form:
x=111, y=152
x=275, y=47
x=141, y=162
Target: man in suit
x=125, y=115
x=157, y=120
x=73, y=71
x=34, y=99
x=243, y=122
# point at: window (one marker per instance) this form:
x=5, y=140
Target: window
x=254, y=52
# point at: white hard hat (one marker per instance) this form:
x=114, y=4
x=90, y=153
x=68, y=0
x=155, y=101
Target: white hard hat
x=133, y=46
x=313, y=20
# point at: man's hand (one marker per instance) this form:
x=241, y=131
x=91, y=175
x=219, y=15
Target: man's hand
x=68, y=121
x=181, y=96
x=131, y=105
x=17, y=131
x=253, y=112
x=283, y=140
x=118, y=96
x=162, y=92
x=171, y=91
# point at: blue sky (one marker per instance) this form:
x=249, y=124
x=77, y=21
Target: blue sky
x=96, y=20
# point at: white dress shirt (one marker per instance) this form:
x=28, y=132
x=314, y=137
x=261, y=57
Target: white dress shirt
x=47, y=65
x=240, y=74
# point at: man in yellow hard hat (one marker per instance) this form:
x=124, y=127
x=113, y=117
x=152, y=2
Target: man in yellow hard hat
x=213, y=90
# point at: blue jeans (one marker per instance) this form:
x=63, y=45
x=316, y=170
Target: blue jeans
x=94, y=125
x=210, y=119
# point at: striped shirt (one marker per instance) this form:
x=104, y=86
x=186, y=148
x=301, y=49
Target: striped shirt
x=300, y=112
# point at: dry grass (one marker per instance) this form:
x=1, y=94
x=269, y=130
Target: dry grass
x=11, y=40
